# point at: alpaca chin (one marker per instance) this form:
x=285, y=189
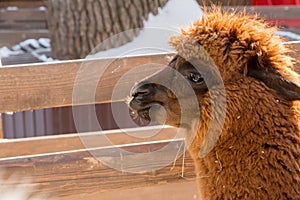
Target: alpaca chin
x=190, y=131
x=158, y=113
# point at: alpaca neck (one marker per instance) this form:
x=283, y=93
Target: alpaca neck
x=257, y=153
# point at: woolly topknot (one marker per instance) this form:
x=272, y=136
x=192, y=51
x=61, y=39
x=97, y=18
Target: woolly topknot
x=236, y=38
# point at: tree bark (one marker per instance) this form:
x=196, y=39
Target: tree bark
x=77, y=26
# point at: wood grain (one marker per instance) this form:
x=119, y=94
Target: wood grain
x=1, y=129
x=35, y=86
x=10, y=38
x=295, y=48
x=79, y=173
x=22, y=3
x=21, y=19
x=70, y=142
x=173, y=191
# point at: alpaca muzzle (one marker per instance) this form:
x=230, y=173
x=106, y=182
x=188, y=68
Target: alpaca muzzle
x=142, y=99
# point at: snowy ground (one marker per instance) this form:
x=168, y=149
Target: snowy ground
x=37, y=48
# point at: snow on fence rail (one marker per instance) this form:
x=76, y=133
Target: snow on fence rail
x=61, y=166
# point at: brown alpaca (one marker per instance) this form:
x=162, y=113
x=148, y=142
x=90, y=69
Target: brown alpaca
x=257, y=155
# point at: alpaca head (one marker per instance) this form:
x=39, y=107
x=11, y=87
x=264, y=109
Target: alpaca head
x=218, y=50
x=241, y=44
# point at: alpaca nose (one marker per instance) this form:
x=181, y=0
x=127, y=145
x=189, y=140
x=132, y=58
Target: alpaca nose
x=142, y=90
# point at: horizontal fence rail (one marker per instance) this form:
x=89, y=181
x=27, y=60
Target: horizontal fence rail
x=269, y=12
x=36, y=86
x=68, y=174
x=72, y=142
x=22, y=3
x=22, y=20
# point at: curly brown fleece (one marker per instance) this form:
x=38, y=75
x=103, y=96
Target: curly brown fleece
x=258, y=153
x=240, y=72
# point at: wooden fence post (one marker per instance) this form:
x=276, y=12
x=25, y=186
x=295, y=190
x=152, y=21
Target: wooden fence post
x=1, y=133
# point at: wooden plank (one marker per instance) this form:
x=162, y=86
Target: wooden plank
x=24, y=58
x=10, y=38
x=1, y=128
x=295, y=47
x=28, y=87
x=79, y=173
x=226, y=2
x=173, y=191
x=35, y=86
x=70, y=142
x=24, y=14
x=23, y=19
x=23, y=25
x=270, y=12
x=22, y=3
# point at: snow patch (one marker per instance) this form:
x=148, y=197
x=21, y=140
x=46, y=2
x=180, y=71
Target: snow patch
x=42, y=8
x=45, y=42
x=36, y=47
x=154, y=37
x=288, y=34
x=29, y=44
x=12, y=8
x=6, y=52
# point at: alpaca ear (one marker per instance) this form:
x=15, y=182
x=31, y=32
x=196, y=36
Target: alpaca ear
x=284, y=88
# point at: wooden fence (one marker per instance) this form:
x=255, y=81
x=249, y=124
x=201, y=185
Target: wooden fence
x=64, y=166
x=22, y=3
x=21, y=20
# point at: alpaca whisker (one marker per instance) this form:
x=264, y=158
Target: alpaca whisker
x=177, y=155
x=200, y=177
x=183, y=161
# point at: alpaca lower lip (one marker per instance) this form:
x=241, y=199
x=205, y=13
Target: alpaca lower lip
x=144, y=113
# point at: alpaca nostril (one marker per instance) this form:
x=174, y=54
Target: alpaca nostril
x=142, y=90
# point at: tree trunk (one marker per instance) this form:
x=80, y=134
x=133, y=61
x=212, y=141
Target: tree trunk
x=78, y=26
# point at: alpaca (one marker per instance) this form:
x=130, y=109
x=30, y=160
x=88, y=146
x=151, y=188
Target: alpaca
x=257, y=152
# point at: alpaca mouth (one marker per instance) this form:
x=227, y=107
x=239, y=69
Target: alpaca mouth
x=138, y=112
x=144, y=113
x=147, y=112
x=140, y=117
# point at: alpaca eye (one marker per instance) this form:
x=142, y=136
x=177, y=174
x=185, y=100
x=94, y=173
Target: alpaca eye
x=196, y=78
